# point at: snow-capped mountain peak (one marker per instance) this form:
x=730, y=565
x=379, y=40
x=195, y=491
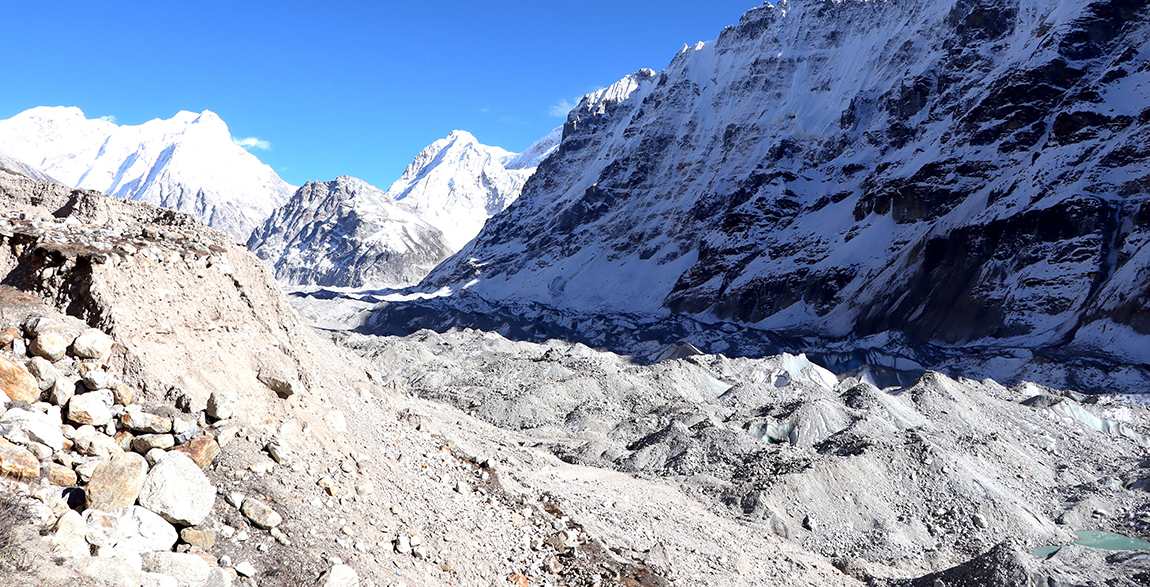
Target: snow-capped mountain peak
x=457, y=183
x=188, y=162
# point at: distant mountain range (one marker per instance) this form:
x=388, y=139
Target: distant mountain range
x=188, y=163
x=348, y=233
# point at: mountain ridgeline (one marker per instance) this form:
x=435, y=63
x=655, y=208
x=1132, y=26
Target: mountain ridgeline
x=966, y=173
x=188, y=162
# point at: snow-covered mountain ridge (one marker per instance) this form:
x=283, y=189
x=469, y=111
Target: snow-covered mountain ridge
x=457, y=183
x=187, y=162
x=347, y=233
x=966, y=172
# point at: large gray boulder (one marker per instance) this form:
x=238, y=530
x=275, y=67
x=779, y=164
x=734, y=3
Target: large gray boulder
x=178, y=490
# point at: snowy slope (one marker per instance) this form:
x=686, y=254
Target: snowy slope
x=188, y=162
x=456, y=183
x=13, y=165
x=966, y=172
x=347, y=233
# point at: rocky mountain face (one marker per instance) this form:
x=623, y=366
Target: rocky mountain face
x=188, y=163
x=456, y=183
x=347, y=233
x=968, y=173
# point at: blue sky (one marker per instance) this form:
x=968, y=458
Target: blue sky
x=335, y=87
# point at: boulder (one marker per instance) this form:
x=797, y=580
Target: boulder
x=95, y=379
x=112, y=572
x=157, y=580
x=102, y=528
x=18, y=384
x=202, y=449
x=17, y=461
x=139, y=421
x=260, y=513
x=178, y=490
x=189, y=570
x=144, y=531
x=222, y=404
x=49, y=345
x=91, y=344
x=278, y=381
x=339, y=576
x=43, y=371
x=97, y=445
x=68, y=538
x=146, y=442
x=91, y=408
x=204, y=539
x=116, y=483
x=62, y=390
x=25, y=426
x=60, y=475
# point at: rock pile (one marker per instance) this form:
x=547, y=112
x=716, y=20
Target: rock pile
x=121, y=485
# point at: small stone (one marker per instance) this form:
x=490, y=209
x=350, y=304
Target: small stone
x=17, y=383
x=122, y=394
x=44, y=372
x=116, y=483
x=222, y=404
x=153, y=456
x=403, y=544
x=447, y=566
x=246, y=569
x=8, y=335
x=138, y=421
x=280, y=536
x=124, y=439
x=92, y=408
x=339, y=576
x=235, y=498
x=365, y=488
x=147, y=442
x=17, y=462
x=91, y=344
x=518, y=580
x=177, y=489
x=279, y=451
x=49, y=345
x=327, y=484
x=980, y=521
x=260, y=514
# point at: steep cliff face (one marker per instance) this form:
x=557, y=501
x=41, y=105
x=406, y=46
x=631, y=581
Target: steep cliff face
x=346, y=232
x=967, y=172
